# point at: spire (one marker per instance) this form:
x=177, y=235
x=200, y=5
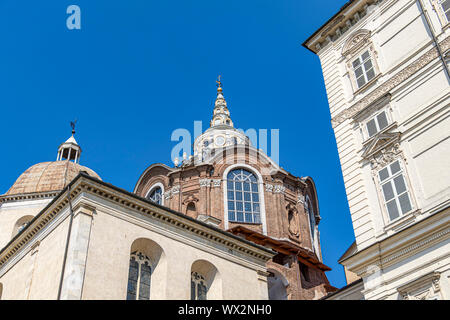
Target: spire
x=70, y=150
x=221, y=115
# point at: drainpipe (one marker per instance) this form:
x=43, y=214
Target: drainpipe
x=435, y=40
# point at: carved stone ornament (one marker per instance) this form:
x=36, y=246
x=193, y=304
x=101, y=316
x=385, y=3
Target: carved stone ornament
x=190, y=198
x=385, y=157
x=279, y=188
x=217, y=182
x=205, y=183
x=356, y=42
x=175, y=189
x=301, y=198
x=293, y=220
x=269, y=187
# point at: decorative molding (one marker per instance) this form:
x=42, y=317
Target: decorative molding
x=385, y=157
x=175, y=189
x=394, y=81
x=217, y=182
x=29, y=196
x=379, y=144
x=279, y=188
x=357, y=41
x=301, y=199
x=205, y=183
x=269, y=187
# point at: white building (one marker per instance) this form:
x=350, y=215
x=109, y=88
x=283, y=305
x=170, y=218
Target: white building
x=385, y=66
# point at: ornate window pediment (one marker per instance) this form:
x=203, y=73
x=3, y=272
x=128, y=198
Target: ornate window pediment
x=424, y=288
x=380, y=144
x=361, y=59
x=359, y=40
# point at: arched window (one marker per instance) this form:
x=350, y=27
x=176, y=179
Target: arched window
x=139, y=277
x=191, y=211
x=312, y=219
x=156, y=195
x=243, y=197
x=199, y=289
x=21, y=224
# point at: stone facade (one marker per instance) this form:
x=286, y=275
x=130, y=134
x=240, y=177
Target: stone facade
x=385, y=66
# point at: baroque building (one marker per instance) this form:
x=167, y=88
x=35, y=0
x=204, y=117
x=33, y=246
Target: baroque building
x=225, y=223
x=385, y=67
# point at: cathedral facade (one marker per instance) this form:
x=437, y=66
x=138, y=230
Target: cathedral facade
x=225, y=223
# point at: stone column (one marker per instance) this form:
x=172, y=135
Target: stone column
x=77, y=253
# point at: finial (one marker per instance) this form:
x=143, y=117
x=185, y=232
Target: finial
x=219, y=84
x=72, y=124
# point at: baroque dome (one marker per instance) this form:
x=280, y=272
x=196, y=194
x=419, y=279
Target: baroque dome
x=48, y=176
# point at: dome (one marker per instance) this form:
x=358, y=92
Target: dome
x=48, y=176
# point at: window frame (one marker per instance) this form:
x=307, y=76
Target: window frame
x=362, y=65
x=367, y=135
x=260, y=189
x=440, y=11
x=140, y=259
x=197, y=281
x=153, y=187
x=390, y=179
x=254, y=214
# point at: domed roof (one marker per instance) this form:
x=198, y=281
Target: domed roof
x=48, y=176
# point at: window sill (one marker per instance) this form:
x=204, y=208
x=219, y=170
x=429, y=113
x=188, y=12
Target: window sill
x=246, y=223
x=367, y=85
x=402, y=222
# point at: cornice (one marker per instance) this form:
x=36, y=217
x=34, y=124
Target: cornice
x=394, y=81
x=84, y=183
x=29, y=196
x=401, y=245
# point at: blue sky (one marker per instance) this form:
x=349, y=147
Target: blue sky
x=139, y=69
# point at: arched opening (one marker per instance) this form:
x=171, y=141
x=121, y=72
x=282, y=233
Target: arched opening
x=206, y=282
x=156, y=194
x=243, y=197
x=277, y=286
x=147, y=271
x=21, y=224
x=191, y=210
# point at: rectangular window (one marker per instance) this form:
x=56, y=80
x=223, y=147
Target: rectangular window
x=446, y=8
x=363, y=69
x=377, y=123
x=395, y=191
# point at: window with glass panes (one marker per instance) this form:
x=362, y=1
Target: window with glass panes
x=139, y=277
x=377, y=123
x=363, y=69
x=199, y=289
x=243, y=197
x=156, y=195
x=395, y=191
x=446, y=8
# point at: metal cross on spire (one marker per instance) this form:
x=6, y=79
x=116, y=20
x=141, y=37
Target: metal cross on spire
x=219, y=83
x=72, y=124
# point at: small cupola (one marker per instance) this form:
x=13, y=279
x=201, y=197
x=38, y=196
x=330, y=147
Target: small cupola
x=69, y=150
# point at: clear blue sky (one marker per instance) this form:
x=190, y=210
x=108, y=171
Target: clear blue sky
x=138, y=69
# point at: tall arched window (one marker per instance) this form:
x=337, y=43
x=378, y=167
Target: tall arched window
x=199, y=289
x=139, y=277
x=243, y=197
x=312, y=219
x=156, y=195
